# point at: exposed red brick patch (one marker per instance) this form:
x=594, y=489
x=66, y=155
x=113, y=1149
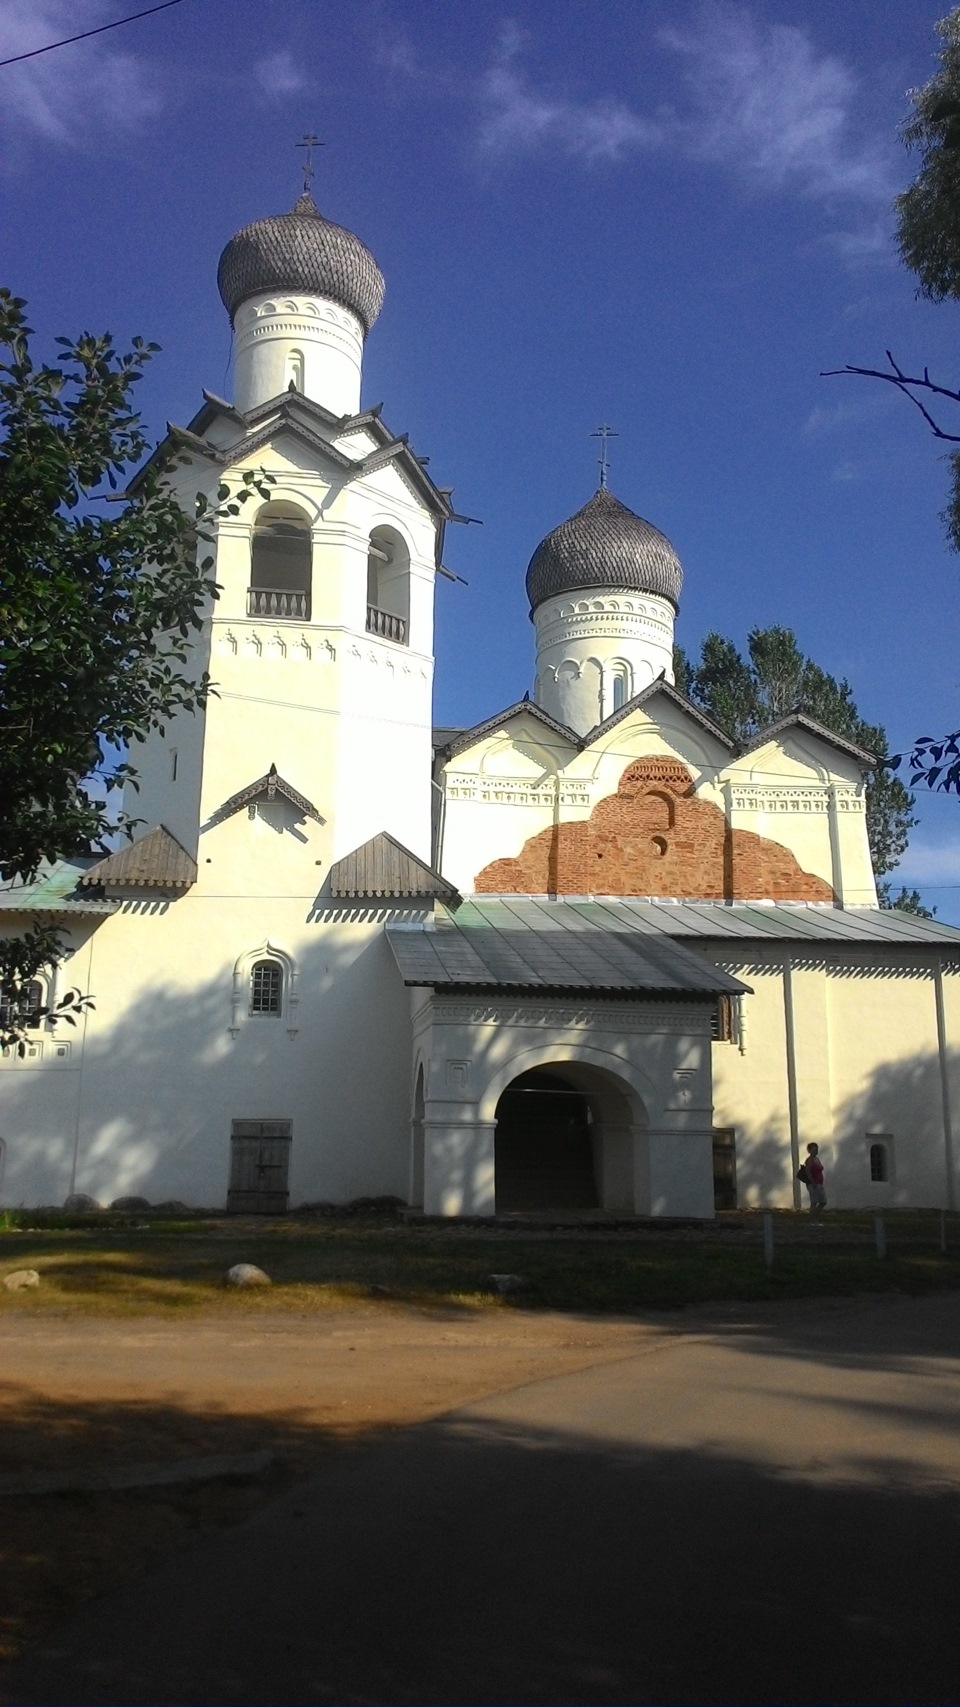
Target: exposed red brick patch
x=654, y=837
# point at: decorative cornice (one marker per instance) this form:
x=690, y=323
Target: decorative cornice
x=640, y=1016
x=513, y=791
x=801, y=799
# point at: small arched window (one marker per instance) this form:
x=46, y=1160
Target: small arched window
x=295, y=370
x=388, y=586
x=619, y=687
x=879, y=1164
x=266, y=988
x=280, y=563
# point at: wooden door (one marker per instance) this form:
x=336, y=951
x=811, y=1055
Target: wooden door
x=724, y=1168
x=259, y=1167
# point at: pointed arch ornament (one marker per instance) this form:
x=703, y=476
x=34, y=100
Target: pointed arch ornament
x=242, y=971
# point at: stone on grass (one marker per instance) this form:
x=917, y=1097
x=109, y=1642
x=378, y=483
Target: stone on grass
x=247, y=1274
x=20, y=1279
x=130, y=1203
x=508, y=1282
x=78, y=1203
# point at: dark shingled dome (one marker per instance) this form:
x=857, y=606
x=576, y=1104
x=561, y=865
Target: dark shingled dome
x=301, y=251
x=604, y=545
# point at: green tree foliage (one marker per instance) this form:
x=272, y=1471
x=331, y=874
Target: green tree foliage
x=928, y=234
x=744, y=695
x=100, y=601
x=928, y=230
x=908, y=901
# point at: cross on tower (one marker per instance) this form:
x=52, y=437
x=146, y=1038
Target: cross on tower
x=308, y=144
x=603, y=433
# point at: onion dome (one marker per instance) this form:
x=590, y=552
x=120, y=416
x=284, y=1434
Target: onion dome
x=301, y=251
x=604, y=545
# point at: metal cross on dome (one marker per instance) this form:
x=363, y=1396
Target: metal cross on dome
x=309, y=142
x=603, y=433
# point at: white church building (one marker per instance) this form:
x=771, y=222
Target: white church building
x=587, y=955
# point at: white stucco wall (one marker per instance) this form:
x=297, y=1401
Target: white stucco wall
x=588, y=643
x=158, y=1071
x=868, y=1067
x=652, y=1060
x=311, y=340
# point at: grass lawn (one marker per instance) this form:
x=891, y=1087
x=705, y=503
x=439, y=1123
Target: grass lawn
x=124, y=1268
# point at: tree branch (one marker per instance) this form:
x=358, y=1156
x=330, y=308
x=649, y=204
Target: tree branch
x=903, y=382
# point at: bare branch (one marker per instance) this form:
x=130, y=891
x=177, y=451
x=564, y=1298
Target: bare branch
x=903, y=383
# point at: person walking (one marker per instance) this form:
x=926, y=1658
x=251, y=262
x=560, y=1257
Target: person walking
x=812, y=1174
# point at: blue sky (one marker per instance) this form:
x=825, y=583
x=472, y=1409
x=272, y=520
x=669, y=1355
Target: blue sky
x=667, y=216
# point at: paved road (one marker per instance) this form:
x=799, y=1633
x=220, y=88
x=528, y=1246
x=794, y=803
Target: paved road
x=765, y=1509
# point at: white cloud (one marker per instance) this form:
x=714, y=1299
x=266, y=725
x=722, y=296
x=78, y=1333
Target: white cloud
x=73, y=92
x=773, y=107
x=278, y=76
x=865, y=243
x=759, y=100
x=517, y=119
x=834, y=417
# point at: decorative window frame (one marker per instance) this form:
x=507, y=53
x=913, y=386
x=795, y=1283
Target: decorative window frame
x=619, y=674
x=240, y=999
x=45, y=982
x=885, y=1142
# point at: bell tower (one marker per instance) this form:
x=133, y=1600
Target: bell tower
x=320, y=644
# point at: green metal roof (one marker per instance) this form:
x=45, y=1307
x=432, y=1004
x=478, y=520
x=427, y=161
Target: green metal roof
x=477, y=949
x=54, y=890
x=798, y=921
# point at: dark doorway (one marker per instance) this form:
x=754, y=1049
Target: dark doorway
x=544, y=1146
x=724, y=1168
x=259, y=1167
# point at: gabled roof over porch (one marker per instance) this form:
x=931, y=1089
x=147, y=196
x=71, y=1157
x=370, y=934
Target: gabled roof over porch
x=476, y=951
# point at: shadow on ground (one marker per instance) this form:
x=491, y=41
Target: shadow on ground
x=482, y=1558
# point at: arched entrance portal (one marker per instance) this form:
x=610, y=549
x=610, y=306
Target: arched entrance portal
x=564, y=1140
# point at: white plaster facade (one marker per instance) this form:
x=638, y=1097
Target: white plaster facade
x=388, y=1090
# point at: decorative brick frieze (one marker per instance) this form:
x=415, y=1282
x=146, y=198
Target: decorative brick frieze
x=654, y=837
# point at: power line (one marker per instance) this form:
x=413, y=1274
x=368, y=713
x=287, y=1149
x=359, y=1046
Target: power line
x=84, y=35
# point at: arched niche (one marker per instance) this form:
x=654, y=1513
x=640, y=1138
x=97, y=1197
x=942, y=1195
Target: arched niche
x=281, y=558
x=619, y=686
x=388, y=585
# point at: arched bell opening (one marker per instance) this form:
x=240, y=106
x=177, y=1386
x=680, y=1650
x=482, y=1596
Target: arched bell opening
x=281, y=563
x=388, y=586
x=564, y=1141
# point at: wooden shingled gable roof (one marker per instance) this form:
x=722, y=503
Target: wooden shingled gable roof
x=269, y=787
x=156, y=861
x=384, y=866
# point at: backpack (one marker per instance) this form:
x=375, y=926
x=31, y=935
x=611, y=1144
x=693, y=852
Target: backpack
x=802, y=1173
